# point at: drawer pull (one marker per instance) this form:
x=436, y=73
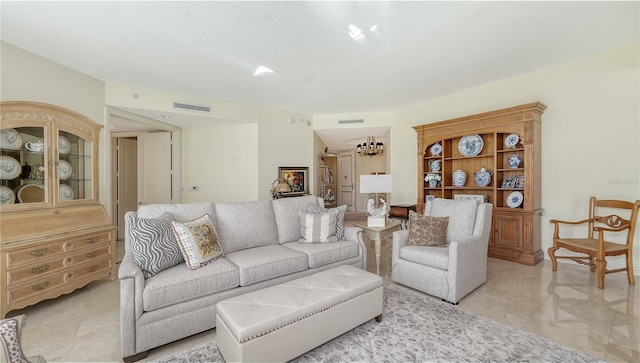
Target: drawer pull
x=40, y=269
x=41, y=286
x=93, y=254
x=93, y=240
x=38, y=253
x=93, y=268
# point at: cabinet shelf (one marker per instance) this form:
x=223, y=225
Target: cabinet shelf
x=516, y=233
x=48, y=221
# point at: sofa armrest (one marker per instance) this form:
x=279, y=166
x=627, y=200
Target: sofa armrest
x=355, y=234
x=399, y=240
x=131, y=303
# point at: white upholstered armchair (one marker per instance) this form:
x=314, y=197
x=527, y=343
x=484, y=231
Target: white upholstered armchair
x=453, y=271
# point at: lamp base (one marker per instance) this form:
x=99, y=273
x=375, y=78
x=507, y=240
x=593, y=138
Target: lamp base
x=376, y=221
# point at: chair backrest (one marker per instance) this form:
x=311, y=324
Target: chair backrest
x=463, y=216
x=598, y=217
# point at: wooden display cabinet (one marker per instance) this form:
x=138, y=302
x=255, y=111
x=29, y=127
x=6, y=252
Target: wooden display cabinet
x=55, y=236
x=514, y=190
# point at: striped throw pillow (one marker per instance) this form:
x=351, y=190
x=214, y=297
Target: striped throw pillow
x=315, y=209
x=317, y=228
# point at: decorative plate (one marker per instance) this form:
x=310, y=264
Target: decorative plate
x=65, y=169
x=64, y=146
x=9, y=167
x=515, y=199
x=31, y=193
x=470, y=145
x=511, y=141
x=66, y=192
x=435, y=149
x=10, y=139
x=6, y=195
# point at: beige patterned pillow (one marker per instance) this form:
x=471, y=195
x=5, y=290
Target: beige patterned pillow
x=198, y=240
x=427, y=231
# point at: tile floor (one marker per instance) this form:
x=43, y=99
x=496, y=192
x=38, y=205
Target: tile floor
x=565, y=306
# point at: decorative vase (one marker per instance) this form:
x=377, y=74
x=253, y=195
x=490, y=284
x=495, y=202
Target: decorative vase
x=434, y=165
x=483, y=177
x=514, y=161
x=459, y=178
x=433, y=183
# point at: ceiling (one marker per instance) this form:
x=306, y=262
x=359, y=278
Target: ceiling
x=407, y=53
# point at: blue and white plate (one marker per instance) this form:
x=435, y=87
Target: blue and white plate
x=515, y=199
x=470, y=145
x=10, y=139
x=511, y=141
x=435, y=149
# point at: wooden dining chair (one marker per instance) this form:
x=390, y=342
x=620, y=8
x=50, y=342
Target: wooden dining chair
x=596, y=246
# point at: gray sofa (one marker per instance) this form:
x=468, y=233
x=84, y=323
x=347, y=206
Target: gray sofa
x=259, y=239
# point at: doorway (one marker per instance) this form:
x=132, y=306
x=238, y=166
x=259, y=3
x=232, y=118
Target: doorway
x=145, y=165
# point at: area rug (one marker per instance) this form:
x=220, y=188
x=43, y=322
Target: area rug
x=418, y=328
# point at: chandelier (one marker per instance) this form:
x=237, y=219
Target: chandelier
x=370, y=147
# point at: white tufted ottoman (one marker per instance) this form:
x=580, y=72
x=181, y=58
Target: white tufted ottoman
x=281, y=322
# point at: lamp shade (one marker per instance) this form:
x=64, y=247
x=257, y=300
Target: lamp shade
x=382, y=183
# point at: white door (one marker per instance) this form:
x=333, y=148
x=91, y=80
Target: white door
x=346, y=182
x=154, y=168
x=127, y=180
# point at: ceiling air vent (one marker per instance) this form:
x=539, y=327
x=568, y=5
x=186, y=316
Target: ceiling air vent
x=359, y=121
x=186, y=106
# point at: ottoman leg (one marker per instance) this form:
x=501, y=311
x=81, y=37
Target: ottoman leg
x=379, y=318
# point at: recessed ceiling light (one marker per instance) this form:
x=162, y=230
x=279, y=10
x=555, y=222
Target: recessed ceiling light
x=262, y=70
x=355, y=33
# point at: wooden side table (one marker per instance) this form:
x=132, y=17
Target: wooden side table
x=377, y=234
x=401, y=211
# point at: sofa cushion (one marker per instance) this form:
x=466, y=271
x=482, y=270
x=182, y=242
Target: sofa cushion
x=179, y=284
x=437, y=257
x=245, y=225
x=427, y=231
x=153, y=244
x=321, y=254
x=180, y=212
x=316, y=228
x=286, y=214
x=198, y=240
x=461, y=213
x=339, y=218
x=266, y=262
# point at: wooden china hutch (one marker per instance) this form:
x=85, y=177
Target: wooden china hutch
x=506, y=143
x=55, y=236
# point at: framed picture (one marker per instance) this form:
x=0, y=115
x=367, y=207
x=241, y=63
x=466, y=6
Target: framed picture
x=296, y=177
x=518, y=181
x=508, y=182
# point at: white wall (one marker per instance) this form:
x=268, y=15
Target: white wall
x=25, y=76
x=590, y=132
x=252, y=145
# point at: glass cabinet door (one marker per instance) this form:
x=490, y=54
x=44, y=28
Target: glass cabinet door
x=24, y=160
x=75, y=167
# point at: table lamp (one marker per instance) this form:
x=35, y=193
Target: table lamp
x=381, y=183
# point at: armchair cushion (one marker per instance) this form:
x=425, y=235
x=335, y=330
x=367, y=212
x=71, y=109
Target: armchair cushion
x=427, y=231
x=427, y=256
x=461, y=213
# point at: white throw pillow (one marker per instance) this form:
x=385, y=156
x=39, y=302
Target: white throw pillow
x=318, y=227
x=198, y=240
x=315, y=209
